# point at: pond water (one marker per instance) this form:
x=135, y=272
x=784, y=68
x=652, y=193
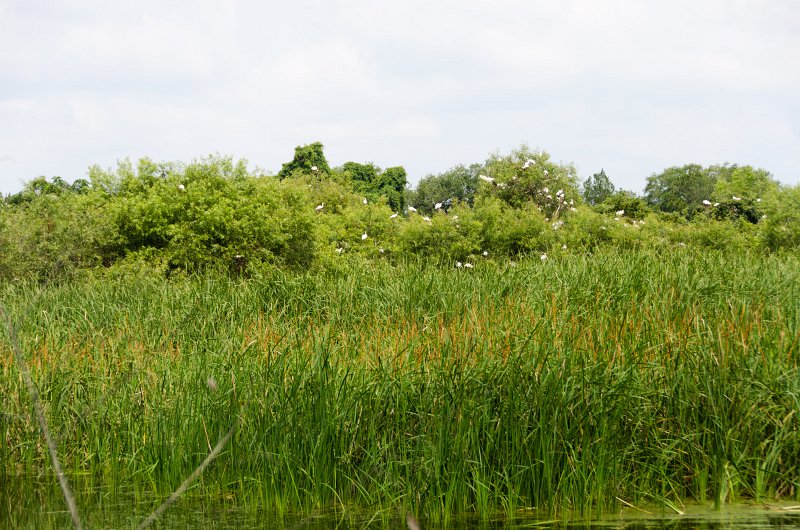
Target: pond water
x=44, y=508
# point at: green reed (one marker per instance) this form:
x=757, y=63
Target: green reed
x=565, y=384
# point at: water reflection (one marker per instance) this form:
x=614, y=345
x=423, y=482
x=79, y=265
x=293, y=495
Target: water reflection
x=43, y=508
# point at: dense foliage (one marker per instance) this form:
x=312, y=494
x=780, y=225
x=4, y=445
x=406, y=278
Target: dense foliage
x=214, y=212
x=501, y=337
x=569, y=383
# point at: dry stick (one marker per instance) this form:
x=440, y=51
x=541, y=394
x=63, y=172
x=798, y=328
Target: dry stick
x=191, y=478
x=34, y=394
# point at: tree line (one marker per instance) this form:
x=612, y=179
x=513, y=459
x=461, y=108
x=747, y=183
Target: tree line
x=182, y=217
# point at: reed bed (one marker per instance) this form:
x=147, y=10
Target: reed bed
x=574, y=383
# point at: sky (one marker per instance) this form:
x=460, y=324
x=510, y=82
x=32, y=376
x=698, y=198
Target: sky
x=628, y=86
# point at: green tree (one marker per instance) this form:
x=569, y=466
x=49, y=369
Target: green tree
x=625, y=201
x=525, y=176
x=680, y=189
x=597, y=188
x=368, y=180
x=392, y=184
x=306, y=158
x=745, y=182
x=456, y=184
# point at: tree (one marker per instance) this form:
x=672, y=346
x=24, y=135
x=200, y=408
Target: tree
x=306, y=158
x=627, y=201
x=363, y=177
x=458, y=183
x=392, y=184
x=368, y=179
x=525, y=176
x=744, y=182
x=680, y=189
x=597, y=188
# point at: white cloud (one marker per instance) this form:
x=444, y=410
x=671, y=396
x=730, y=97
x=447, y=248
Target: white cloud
x=626, y=85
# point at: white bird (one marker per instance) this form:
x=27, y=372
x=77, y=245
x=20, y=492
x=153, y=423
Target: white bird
x=314, y=168
x=459, y=264
x=485, y=253
x=365, y=200
x=320, y=207
x=758, y=200
x=735, y=198
x=437, y=206
x=426, y=218
x=545, y=172
x=545, y=190
x=620, y=213
x=455, y=218
x=528, y=163
x=716, y=204
x=563, y=247
x=706, y=202
x=363, y=236
x=487, y=179
x=381, y=250
x=181, y=187
x=468, y=265
x=339, y=250
x=412, y=209
x=543, y=257
x=560, y=193
x=393, y=216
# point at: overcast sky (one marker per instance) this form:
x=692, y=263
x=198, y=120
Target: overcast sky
x=631, y=86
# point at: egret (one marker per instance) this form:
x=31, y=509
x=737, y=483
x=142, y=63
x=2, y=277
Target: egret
x=560, y=193
x=314, y=168
x=487, y=179
x=181, y=187
x=543, y=257
x=393, y=216
x=735, y=198
x=363, y=236
x=545, y=190
x=620, y=213
x=426, y=218
x=545, y=172
x=365, y=200
x=339, y=250
x=437, y=206
x=459, y=264
x=706, y=202
x=455, y=218
x=485, y=253
x=563, y=247
x=412, y=209
x=320, y=207
x=468, y=265
x=381, y=250
x=528, y=163
x=758, y=200
x=716, y=204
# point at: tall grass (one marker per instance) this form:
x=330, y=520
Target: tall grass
x=565, y=384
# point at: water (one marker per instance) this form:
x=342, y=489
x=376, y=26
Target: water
x=31, y=503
